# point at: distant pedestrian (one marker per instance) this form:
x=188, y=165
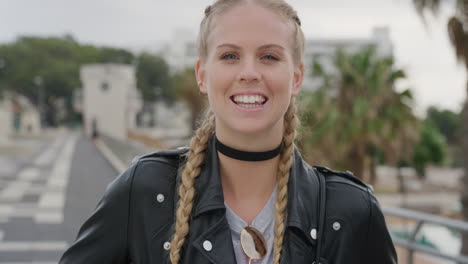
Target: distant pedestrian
x=241, y=193
x=94, y=129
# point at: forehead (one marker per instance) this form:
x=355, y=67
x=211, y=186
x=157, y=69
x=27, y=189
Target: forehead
x=250, y=26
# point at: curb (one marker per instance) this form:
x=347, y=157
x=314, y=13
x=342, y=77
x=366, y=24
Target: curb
x=116, y=163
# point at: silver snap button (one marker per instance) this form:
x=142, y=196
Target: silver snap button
x=160, y=198
x=207, y=245
x=167, y=245
x=313, y=233
x=336, y=226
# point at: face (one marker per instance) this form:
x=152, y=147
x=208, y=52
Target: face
x=249, y=73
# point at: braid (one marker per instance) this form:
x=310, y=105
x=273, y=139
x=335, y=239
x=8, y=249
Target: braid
x=285, y=163
x=207, y=11
x=196, y=156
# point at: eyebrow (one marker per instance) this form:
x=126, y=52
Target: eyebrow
x=266, y=46
x=227, y=45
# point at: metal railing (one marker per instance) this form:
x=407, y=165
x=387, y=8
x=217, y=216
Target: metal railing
x=422, y=218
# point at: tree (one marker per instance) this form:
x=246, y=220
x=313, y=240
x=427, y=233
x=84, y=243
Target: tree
x=447, y=122
x=356, y=112
x=153, y=78
x=458, y=33
x=51, y=58
x=185, y=87
x=56, y=61
x=431, y=148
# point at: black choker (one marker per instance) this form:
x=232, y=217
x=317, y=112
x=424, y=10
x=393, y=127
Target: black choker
x=246, y=155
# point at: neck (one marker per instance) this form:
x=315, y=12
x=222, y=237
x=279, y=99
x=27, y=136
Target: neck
x=248, y=185
x=247, y=181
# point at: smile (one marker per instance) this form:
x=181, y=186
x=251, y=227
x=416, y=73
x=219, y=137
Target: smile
x=249, y=101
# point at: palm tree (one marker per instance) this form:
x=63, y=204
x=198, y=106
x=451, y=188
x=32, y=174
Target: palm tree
x=357, y=111
x=458, y=33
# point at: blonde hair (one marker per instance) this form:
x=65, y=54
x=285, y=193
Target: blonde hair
x=199, y=142
x=278, y=6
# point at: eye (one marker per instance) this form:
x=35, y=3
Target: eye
x=270, y=57
x=229, y=56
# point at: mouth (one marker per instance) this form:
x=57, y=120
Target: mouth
x=249, y=101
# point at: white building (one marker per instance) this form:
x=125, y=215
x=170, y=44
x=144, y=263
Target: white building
x=324, y=50
x=17, y=116
x=30, y=118
x=110, y=99
x=182, y=51
x=6, y=121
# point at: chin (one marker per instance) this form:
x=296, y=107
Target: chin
x=252, y=127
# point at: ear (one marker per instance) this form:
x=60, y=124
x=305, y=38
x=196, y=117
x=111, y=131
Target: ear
x=200, y=75
x=298, y=78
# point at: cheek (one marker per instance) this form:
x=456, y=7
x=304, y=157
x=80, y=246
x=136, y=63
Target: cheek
x=280, y=80
x=219, y=79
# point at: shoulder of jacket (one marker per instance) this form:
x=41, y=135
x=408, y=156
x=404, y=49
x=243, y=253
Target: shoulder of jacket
x=344, y=177
x=155, y=169
x=170, y=156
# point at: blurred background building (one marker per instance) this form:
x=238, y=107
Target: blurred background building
x=110, y=99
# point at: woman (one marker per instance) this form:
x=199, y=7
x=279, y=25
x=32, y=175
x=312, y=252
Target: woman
x=241, y=180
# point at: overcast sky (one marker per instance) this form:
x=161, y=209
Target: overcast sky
x=424, y=52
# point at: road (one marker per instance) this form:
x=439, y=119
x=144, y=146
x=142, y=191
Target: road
x=47, y=189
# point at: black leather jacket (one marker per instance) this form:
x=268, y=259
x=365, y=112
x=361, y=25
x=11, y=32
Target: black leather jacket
x=134, y=220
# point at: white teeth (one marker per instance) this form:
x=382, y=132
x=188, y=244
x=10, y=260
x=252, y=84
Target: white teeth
x=249, y=99
x=249, y=105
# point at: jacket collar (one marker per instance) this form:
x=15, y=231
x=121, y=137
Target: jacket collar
x=303, y=189
x=303, y=197
x=208, y=185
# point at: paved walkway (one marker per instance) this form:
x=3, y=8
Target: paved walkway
x=125, y=151
x=32, y=197
x=51, y=187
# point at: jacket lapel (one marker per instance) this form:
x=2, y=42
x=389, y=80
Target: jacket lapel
x=302, y=213
x=209, y=215
x=218, y=237
x=209, y=191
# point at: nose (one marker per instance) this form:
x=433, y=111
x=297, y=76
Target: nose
x=249, y=72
